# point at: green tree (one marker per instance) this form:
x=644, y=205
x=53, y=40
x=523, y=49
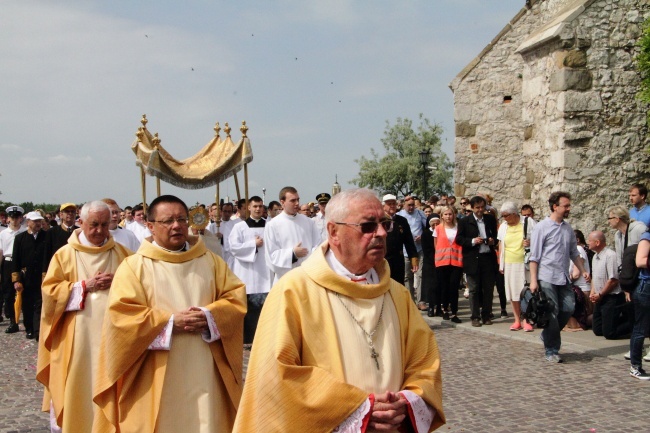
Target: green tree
x=399, y=171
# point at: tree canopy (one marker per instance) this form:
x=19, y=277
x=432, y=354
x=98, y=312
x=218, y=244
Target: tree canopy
x=399, y=171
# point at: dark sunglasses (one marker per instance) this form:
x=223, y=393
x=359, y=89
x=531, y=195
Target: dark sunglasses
x=371, y=226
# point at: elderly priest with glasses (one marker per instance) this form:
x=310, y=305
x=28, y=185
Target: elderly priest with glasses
x=171, y=351
x=340, y=346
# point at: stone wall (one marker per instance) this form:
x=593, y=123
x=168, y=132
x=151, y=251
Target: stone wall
x=536, y=113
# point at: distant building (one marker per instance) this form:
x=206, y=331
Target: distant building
x=550, y=104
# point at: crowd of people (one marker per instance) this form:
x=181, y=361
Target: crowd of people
x=136, y=307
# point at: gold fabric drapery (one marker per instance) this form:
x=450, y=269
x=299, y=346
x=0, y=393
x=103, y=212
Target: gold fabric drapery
x=215, y=162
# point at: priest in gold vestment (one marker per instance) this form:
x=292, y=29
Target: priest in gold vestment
x=171, y=352
x=75, y=293
x=340, y=346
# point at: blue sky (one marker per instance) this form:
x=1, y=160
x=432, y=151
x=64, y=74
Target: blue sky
x=315, y=82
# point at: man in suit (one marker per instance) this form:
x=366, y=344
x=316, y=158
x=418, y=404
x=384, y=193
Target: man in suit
x=397, y=240
x=477, y=235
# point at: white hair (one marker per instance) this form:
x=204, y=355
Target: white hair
x=93, y=206
x=509, y=207
x=338, y=208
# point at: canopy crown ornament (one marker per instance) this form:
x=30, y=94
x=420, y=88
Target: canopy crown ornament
x=243, y=128
x=227, y=129
x=156, y=141
x=144, y=121
x=216, y=128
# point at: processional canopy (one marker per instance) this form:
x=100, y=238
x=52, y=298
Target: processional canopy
x=214, y=163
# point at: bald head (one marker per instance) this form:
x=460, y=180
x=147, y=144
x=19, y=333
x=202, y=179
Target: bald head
x=596, y=241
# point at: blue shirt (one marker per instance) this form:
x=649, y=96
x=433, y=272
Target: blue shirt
x=552, y=246
x=417, y=221
x=642, y=214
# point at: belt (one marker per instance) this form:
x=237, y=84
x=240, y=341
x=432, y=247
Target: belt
x=8, y=259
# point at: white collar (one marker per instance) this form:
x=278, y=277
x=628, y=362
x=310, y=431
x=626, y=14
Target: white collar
x=370, y=276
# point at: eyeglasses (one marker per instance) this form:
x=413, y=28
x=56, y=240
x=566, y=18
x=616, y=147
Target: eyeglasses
x=170, y=222
x=467, y=212
x=505, y=215
x=611, y=218
x=464, y=203
x=371, y=226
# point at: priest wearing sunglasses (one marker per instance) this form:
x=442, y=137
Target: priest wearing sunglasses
x=340, y=346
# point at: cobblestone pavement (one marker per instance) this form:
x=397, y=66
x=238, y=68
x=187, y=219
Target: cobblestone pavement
x=491, y=383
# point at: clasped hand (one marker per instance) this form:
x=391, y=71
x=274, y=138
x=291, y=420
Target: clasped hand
x=388, y=412
x=101, y=281
x=191, y=320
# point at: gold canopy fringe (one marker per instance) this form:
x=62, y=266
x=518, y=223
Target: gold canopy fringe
x=214, y=163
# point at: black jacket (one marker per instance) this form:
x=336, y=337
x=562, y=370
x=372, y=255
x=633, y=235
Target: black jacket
x=398, y=238
x=468, y=230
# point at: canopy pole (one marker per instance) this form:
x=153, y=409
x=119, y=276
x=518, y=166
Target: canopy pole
x=143, y=181
x=246, y=190
x=157, y=186
x=237, y=187
x=217, y=217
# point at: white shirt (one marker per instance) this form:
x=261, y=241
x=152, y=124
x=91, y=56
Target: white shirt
x=249, y=262
x=126, y=238
x=281, y=235
x=7, y=240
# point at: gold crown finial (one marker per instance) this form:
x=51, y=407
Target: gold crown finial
x=156, y=140
x=216, y=128
x=140, y=133
x=144, y=121
x=227, y=129
x=243, y=128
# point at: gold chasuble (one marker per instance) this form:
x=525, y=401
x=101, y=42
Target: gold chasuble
x=69, y=343
x=193, y=387
x=298, y=379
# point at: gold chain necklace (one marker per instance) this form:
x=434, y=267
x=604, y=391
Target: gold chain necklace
x=369, y=335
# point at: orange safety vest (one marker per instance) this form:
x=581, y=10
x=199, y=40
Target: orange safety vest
x=447, y=253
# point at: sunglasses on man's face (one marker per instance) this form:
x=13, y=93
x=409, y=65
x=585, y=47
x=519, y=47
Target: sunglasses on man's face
x=371, y=226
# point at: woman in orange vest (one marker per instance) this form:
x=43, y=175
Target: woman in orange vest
x=449, y=263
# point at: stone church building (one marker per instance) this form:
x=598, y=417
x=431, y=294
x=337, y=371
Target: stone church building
x=550, y=104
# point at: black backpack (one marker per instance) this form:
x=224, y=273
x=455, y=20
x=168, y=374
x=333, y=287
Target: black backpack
x=628, y=273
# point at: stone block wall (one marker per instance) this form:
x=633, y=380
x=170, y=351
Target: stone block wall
x=559, y=115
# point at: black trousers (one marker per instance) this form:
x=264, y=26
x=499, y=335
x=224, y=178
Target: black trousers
x=449, y=283
x=481, y=287
x=611, y=317
x=32, y=305
x=501, y=289
x=255, y=302
x=8, y=291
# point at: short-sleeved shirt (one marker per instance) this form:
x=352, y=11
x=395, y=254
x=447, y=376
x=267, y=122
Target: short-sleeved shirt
x=514, y=245
x=604, y=267
x=644, y=273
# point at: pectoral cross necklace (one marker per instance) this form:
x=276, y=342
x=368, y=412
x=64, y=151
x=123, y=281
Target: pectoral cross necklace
x=369, y=335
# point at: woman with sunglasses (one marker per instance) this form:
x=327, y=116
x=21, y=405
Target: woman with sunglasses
x=514, y=239
x=449, y=263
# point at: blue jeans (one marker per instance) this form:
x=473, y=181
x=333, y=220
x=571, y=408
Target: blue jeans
x=564, y=303
x=641, y=300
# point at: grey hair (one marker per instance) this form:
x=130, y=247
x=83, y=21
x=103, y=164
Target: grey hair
x=338, y=208
x=93, y=206
x=619, y=212
x=509, y=207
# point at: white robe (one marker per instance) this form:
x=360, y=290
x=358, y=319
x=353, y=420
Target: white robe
x=126, y=238
x=281, y=235
x=249, y=261
x=226, y=228
x=140, y=231
x=321, y=225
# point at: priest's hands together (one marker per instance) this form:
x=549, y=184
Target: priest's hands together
x=191, y=320
x=388, y=412
x=101, y=281
x=300, y=251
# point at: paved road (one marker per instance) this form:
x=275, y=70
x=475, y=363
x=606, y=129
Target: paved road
x=494, y=380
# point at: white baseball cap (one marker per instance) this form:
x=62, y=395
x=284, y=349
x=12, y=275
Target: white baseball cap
x=388, y=197
x=33, y=216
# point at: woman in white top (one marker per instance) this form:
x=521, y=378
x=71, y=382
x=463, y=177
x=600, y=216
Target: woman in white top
x=514, y=239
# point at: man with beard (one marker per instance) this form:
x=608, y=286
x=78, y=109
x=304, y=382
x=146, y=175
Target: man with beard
x=340, y=344
x=552, y=245
x=27, y=262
